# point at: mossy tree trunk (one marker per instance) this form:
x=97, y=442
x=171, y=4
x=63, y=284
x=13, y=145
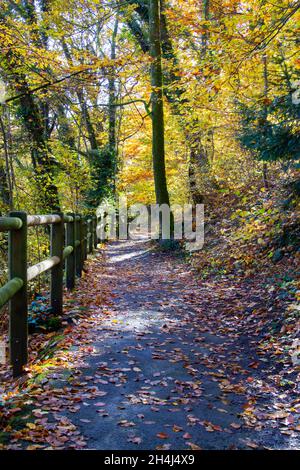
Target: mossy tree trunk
x=158, y=136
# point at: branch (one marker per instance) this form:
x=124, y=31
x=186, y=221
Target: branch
x=60, y=80
x=147, y=108
x=43, y=86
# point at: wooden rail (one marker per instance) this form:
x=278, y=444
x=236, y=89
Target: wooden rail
x=72, y=237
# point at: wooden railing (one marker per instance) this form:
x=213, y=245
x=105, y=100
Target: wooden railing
x=72, y=237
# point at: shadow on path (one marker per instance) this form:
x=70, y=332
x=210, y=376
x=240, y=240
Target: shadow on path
x=167, y=380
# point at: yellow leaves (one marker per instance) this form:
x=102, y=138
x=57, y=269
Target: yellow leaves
x=297, y=63
x=31, y=425
x=176, y=428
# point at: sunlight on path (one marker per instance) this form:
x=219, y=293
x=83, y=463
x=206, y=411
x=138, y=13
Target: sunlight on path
x=154, y=361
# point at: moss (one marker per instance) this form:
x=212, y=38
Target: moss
x=17, y=421
x=54, y=323
x=4, y=437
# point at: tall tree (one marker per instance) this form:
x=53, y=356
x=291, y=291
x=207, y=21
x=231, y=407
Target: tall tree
x=176, y=95
x=265, y=112
x=158, y=133
x=34, y=112
x=112, y=108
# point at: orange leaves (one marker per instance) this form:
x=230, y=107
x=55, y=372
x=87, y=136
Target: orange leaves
x=210, y=427
x=228, y=387
x=162, y=435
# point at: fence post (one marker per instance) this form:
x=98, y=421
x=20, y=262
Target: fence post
x=84, y=241
x=81, y=234
x=56, y=248
x=78, y=247
x=95, y=236
x=86, y=238
x=90, y=240
x=18, y=309
x=70, y=261
x=92, y=233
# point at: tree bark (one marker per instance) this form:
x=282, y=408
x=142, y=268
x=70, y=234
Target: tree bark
x=265, y=118
x=200, y=178
x=199, y=169
x=6, y=187
x=43, y=162
x=33, y=121
x=83, y=105
x=158, y=137
x=112, y=109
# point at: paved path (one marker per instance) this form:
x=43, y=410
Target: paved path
x=169, y=381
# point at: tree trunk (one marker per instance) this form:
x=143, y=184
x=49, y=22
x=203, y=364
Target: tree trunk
x=199, y=168
x=112, y=109
x=43, y=162
x=158, y=138
x=200, y=178
x=265, y=118
x=6, y=187
x=83, y=105
x=204, y=38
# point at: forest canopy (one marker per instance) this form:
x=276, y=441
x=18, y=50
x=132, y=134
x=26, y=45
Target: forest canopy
x=75, y=122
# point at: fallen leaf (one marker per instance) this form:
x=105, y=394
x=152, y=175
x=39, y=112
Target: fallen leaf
x=162, y=435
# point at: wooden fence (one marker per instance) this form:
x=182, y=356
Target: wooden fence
x=72, y=237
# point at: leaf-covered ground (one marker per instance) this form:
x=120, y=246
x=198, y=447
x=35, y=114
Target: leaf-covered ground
x=154, y=357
